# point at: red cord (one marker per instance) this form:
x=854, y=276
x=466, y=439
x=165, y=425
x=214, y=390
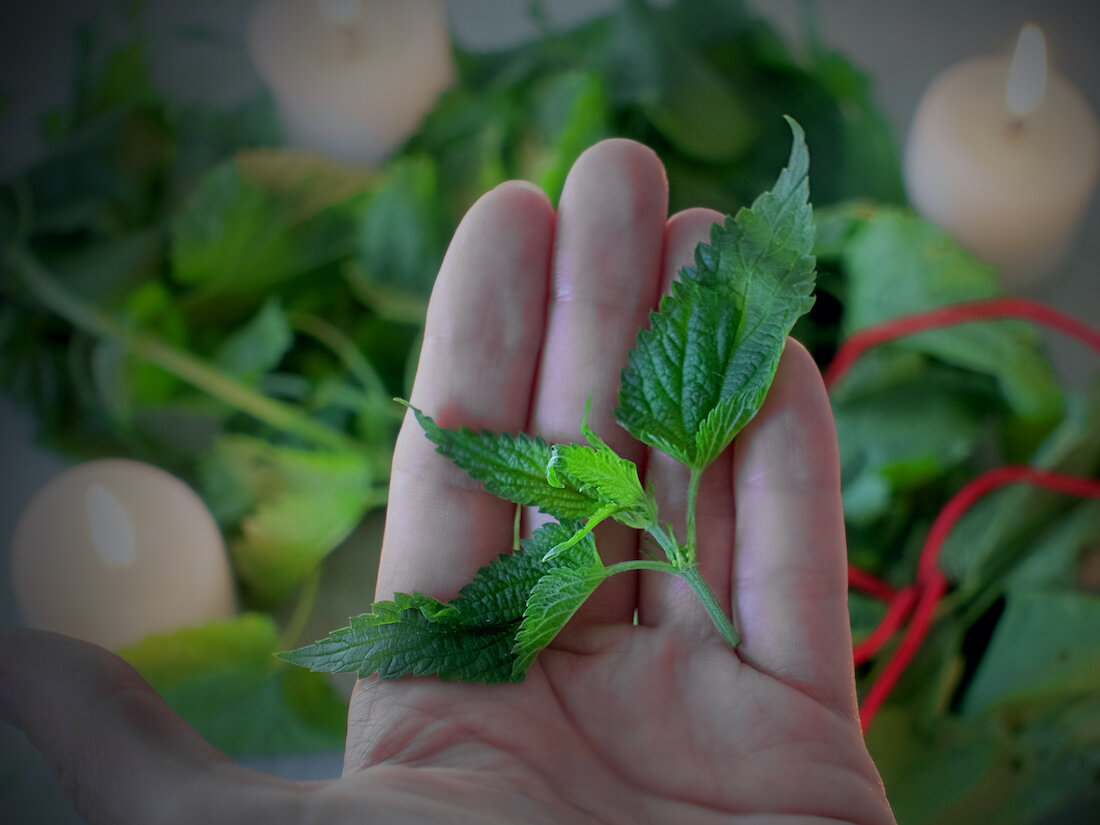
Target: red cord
x=978, y=487
x=869, y=584
x=923, y=598
x=871, y=336
x=932, y=584
x=929, y=597
x=891, y=623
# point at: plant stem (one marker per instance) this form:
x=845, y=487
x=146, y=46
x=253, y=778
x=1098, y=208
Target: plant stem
x=692, y=495
x=182, y=364
x=345, y=349
x=640, y=564
x=307, y=595
x=710, y=602
x=666, y=543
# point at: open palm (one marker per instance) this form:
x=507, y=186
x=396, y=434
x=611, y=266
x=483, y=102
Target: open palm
x=637, y=712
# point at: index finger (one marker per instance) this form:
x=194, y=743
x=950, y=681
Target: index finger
x=482, y=340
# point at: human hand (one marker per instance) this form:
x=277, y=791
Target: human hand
x=616, y=722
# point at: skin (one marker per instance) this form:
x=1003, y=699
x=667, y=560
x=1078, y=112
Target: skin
x=616, y=722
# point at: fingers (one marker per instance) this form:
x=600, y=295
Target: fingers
x=668, y=600
x=606, y=279
x=790, y=569
x=477, y=368
x=121, y=754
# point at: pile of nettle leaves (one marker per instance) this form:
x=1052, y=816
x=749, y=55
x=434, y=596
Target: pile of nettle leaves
x=176, y=290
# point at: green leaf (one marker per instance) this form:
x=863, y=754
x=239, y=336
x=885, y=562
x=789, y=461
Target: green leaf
x=1044, y=649
x=695, y=107
x=1053, y=561
x=700, y=372
x=469, y=639
x=897, y=264
x=403, y=232
x=858, y=154
x=553, y=601
x=1004, y=528
x=293, y=506
x=512, y=467
x=258, y=346
x=284, y=538
x=570, y=112
x=413, y=636
x=864, y=613
x=596, y=470
x=244, y=231
x=902, y=422
x=222, y=678
x=931, y=773
x=500, y=590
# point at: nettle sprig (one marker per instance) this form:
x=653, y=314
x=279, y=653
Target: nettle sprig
x=695, y=377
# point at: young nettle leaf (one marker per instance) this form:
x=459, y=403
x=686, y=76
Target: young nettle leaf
x=512, y=467
x=500, y=590
x=413, y=635
x=700, y=372
x=469, y=639
x=554, y=600
x=598, y=471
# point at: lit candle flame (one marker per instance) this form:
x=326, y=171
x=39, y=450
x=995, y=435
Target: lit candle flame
x=112, y=532
x=1027, y=76
x=340, y=12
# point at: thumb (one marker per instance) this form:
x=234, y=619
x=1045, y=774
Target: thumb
x=120, y=753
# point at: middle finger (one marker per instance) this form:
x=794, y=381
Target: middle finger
x=606, y=278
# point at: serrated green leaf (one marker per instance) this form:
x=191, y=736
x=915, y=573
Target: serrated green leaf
x=700, y=372
x=413, y=635
x=222, y=678
x=500, y=590
x=511, y=466
x=553, y=601
x=469, y=639
x=596, y=470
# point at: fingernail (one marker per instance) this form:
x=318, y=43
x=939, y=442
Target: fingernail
x=522, y=184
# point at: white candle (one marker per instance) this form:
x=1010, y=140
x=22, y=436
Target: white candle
x=1005, y=157
x=113, y=550
x=352, y=79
